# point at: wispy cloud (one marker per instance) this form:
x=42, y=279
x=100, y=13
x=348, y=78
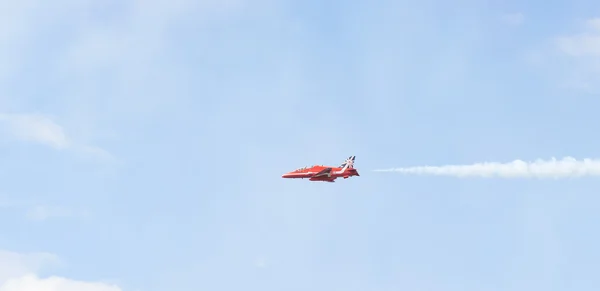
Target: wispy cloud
x=575, y=57
x=14, y=265
x=582, y=44
x=18, y=273
x=566, y=168
x=43, y=130
x=36, y=128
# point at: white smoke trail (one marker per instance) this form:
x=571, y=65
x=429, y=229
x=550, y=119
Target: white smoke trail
x=566, y=168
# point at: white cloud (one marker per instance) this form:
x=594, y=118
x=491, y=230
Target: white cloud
x=594, y=24
x=513, y=18
x=36, y=128
x=42, y=129
x=582, y=44
x=14, y=265
x=108, y=58
x=33, y=283
x=18, y=273
x=573, y=60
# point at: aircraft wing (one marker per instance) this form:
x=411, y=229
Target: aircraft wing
x=323, y=173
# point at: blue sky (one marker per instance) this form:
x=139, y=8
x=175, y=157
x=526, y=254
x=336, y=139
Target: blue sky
x=143, y=144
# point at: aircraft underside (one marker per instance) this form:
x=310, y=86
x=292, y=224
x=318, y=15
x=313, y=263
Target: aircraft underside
x=323, y=179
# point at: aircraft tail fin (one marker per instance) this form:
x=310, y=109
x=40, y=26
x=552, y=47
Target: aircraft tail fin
x=348, y=163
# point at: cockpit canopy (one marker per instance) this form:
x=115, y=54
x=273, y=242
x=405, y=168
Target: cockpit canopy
x=307, y=167
x=301, y=169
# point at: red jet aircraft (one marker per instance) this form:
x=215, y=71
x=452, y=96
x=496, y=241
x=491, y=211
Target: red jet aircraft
x=325, y=173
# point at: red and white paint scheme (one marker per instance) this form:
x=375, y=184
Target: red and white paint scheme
x=325, y=173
